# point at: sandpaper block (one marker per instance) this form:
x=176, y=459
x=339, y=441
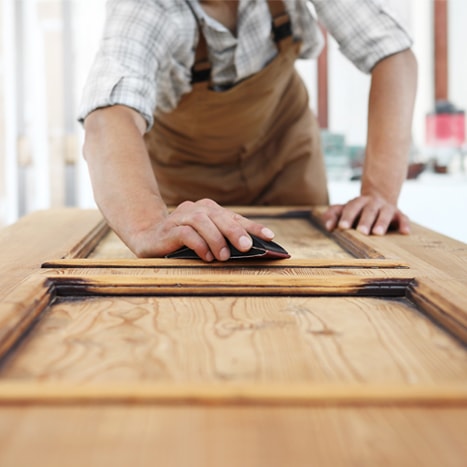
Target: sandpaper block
x=261, y=249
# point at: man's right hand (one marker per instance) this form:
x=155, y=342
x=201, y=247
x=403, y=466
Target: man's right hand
x=202, y=226
x=126, y=191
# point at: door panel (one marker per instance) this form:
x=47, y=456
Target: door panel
x=351, y=351
x=236, y=339
x=296, y=234
x=249, y=436
x=296, y=230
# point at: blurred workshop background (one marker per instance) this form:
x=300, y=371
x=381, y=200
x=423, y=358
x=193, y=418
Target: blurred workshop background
x=46, y=49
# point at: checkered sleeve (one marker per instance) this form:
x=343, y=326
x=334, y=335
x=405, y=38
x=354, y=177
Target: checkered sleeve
x=137, y=37
x=366, y=30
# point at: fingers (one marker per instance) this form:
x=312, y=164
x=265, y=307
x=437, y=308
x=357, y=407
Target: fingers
x=165, y=238
x=403, y=223
x=351, y=213
x=187, y=236
x=204, y=227
x=331, y=216
x=254, y=228
x=198, y=224
x=375, y=217
x=369, y=215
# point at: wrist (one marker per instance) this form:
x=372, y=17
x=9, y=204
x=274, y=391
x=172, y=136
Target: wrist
x=384, y=176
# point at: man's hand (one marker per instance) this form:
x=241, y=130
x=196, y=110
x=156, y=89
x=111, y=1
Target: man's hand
x=368, y=214
x=202, y=226
x=391, y=102
x=128, y=196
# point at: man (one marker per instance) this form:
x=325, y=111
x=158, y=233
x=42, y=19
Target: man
x=197, y=104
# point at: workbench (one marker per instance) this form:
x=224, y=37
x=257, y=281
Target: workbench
x=349, y=353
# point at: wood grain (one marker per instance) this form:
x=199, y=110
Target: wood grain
x=300, y=370
x=232, y=436
x=376, y=283
x=38, y=237
x=297, y=235
x=445, y=302
x=89, y=242
x=234, y=394
x=429, y=254
x=258, y=264
x=20, y=308
x=439, y=265
x=237, y=339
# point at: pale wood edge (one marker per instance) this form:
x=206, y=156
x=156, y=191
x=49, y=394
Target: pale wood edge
x=32, y=296
x=443, y=303
x=20, y=308
x=353, y=242
x=428, y=253
x=350, y=240
x=232, y=284
x=278, y=394
x=81, y=262
x=37, y=237
x=87, y=243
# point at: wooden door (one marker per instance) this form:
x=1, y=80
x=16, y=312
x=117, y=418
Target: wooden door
x=351, y=352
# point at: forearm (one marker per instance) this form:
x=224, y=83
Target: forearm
x=124, y=185
x=391, y=103
x=127, y=194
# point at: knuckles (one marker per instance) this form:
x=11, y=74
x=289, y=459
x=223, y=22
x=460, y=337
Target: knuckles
x=207, y=203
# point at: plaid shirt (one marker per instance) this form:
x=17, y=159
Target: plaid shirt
x=147, y=50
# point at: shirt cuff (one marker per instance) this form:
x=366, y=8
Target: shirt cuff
x=110, y=83
x=382, y=44
x=379, y=35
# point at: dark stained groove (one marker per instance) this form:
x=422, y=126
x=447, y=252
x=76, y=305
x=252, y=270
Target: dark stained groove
x=77, y=287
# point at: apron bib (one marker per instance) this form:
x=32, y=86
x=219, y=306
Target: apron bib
x=256, y=143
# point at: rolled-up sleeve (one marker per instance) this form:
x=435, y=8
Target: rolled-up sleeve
x=367, y=31
x=137, y=38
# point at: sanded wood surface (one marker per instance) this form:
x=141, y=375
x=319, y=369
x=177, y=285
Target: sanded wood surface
x=237, y=339
x=428, y=253
x=297, y=235
x=339, y=283
x=288, y=394
x=445, y=301
x=20, y=308
x=39, y=237
x=235, y=264
x=232, y=436
x=297, y=231
x=349, y=353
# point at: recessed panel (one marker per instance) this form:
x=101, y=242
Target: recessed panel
x=236, y=339
x=297, y=235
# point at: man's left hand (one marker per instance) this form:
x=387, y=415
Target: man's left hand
x=368, y=215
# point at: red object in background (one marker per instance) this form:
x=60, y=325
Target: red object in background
x=445, y=129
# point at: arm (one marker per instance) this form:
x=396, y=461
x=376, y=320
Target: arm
x=391, y=102
x=126, y=191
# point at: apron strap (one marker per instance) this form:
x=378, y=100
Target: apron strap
x=281, y=25
x=201, y=69
x=281, y=30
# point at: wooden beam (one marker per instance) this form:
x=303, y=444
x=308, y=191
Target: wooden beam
x=441, y=49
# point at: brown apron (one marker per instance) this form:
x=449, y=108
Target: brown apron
x=256, y=143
